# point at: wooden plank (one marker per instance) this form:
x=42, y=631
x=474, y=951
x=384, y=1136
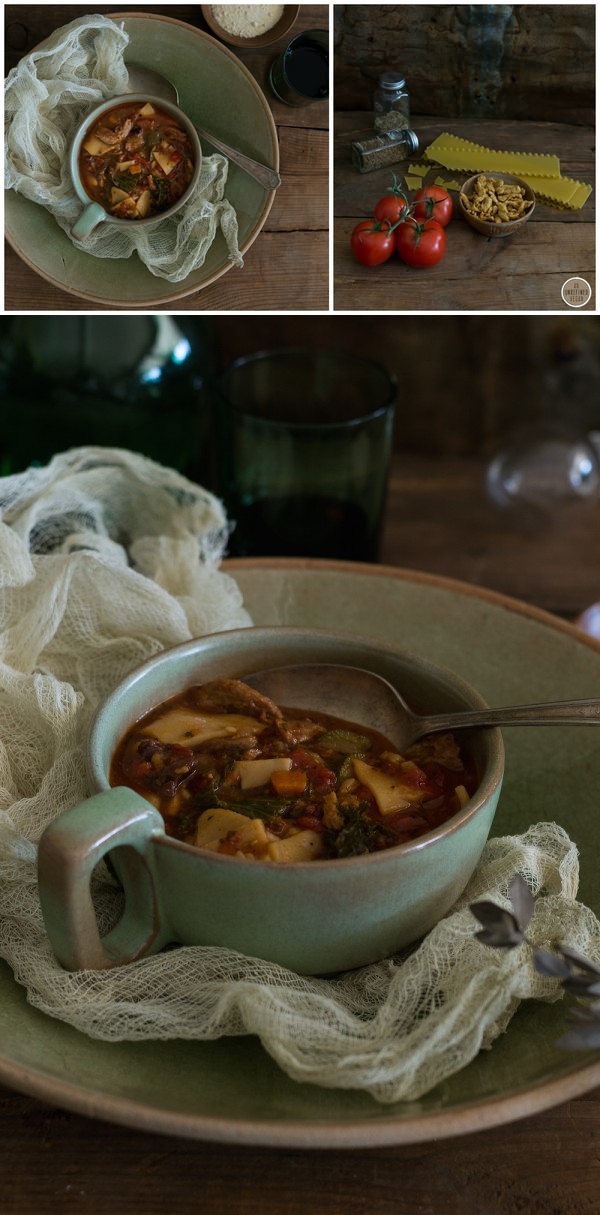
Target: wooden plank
x=302, y=205
x=56, y=1162
x=303, y=152
x=440, y=519
x=281, y=272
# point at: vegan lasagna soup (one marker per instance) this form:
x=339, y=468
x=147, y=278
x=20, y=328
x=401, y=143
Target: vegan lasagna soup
x=136, y=160
x=233, y=773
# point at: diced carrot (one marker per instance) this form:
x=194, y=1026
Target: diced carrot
x=289, y=783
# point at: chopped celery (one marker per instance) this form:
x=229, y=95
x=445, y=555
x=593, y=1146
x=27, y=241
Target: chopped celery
x=345, y=741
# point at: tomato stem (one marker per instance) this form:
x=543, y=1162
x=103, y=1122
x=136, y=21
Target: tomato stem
x=398, y=190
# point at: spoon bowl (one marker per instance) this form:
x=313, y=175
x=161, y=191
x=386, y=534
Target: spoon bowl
x=368, y=699
x=146, y=80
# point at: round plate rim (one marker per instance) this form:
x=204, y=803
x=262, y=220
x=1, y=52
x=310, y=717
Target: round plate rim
x=463, y=1119
x=256, y=230
x=405, y=574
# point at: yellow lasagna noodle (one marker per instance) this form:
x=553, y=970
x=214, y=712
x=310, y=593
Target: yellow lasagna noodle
x=566, y=192
x=419, y=170
x=541, y=171
x=447, y=185
x=413, y=183
x=456, y=153
x=581, y=195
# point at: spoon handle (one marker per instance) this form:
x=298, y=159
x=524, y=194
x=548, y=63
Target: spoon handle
x=557, y=713
x=265, y=176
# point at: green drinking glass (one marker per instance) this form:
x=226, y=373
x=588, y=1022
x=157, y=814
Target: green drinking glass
x=301, y=73
x=303, y=446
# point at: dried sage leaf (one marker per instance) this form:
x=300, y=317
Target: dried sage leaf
x=583, y=963
x=550, y=965
x=522, y=900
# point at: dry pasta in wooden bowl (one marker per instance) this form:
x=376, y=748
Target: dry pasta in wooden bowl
x=496, y=204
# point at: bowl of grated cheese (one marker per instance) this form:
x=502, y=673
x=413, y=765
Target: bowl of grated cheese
x=252, y=25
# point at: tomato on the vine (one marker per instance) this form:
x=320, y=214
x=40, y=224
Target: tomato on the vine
x=432, y=202
x=393, y=204
x=421, y=244
x=373, y=242
x=391, y=207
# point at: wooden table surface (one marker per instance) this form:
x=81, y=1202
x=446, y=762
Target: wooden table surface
x=286, y=267
x=522, y=272
x=54, y=1161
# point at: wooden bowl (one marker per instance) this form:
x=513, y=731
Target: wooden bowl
x=279, y=30
x=491, y=227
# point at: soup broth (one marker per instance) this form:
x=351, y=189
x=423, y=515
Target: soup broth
x=136, y=160
x=233, y=773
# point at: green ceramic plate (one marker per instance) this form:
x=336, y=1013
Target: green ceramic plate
x=231, y=1090
x=215, y=90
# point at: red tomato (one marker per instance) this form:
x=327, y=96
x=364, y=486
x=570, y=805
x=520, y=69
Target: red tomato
x=372, y=242
x=391, y=207
x=433, y=203
x=421, y=244
x=302, y=759
x=322, y=779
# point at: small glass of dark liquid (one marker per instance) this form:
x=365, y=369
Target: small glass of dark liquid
x=301, y=72
x=304, y=439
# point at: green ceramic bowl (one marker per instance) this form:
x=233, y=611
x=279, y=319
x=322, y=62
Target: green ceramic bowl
x=330, y=915
x=94, y=213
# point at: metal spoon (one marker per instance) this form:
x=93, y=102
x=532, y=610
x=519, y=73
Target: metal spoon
x=369, y=700
x=145, y=80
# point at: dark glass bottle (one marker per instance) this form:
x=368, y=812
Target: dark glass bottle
x=133, y=382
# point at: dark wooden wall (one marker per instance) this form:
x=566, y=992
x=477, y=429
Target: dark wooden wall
x=463, y=382
x=533, y=61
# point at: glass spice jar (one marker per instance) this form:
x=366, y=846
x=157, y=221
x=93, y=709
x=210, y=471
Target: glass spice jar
x=391, y=103
x=377, y=151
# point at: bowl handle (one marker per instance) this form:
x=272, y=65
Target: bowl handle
x=69, y=849
x=88, y=220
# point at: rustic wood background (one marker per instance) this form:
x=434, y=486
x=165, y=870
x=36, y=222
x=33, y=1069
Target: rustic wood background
x=463, y=382
x=472, y=60
x=54, y=1163
x=286, y=267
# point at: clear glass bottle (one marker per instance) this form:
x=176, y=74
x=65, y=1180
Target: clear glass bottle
x=552, y=460
x=391, y=103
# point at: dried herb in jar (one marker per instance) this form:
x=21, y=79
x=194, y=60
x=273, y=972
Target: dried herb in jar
x=391, y=103
x=371, y=151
